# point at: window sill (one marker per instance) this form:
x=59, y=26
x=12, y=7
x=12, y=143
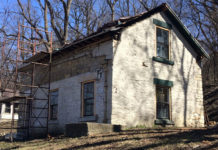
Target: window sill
x=163, y=60
x=163, y=122
x=88, y=118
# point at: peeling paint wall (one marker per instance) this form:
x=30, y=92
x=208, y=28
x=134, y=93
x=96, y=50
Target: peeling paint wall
x=133, y=90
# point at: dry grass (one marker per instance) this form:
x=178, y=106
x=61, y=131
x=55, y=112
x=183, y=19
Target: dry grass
x=129, y=139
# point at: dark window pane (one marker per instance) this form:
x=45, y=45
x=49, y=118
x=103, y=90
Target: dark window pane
x=53, y=105
x=162, y=94
x=88, y=110
x=7, y=107
x=162, y=102
x=54, y=97
x=162, y=43
x=89, y=90
x=16, y=108
x=54, y=110
x=163, y=111
x=162, y=36
x=88, y=98
x=88, y=101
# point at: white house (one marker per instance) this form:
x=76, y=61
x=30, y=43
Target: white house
x=141, y=70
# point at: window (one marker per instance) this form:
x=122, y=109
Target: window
x=53, y=104
x=88, y=98
x=16, y=107
x=7, y=107
x=163, y=102
x=162, y=38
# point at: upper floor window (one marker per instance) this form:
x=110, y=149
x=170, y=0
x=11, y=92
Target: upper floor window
x=88, y=98
x=53, y=105
x=162, y=38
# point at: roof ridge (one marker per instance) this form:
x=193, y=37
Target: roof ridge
x=121, y=23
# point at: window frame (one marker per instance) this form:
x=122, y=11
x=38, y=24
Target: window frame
x=51, y=105
x=82, y=98
x=169, y=102
x=169, y=42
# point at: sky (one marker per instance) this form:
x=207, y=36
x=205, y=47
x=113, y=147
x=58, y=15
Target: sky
x=4, y=3
x=11, y=4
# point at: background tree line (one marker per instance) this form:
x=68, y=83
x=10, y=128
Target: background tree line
x=74, y=19
x=71, y=20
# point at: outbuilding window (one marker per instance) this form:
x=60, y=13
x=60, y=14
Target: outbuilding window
x=8, y=107
x=163, y=98
x=16, y=107
x=53, y=104
x=162, y=39
x=88, y=98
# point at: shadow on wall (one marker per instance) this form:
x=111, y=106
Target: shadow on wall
x=133, y=79
x=184, y=71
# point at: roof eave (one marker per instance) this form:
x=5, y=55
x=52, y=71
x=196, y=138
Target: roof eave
x=164, y=8
x=89, y=38
x=195, y=44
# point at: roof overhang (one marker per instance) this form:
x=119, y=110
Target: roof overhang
x=185, y=32
x=11, y=99
x=109, y=32
x=89, y=40
x=176, y=22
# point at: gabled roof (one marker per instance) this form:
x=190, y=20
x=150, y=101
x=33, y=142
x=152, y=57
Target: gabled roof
x=118, y=25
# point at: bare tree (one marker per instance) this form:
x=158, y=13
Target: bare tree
x=149, y=4
x=111, y=4
x=128, y=8
x=204, y=14
x=60, y=29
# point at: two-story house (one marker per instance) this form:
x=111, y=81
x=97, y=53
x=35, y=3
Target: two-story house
x=141, y=70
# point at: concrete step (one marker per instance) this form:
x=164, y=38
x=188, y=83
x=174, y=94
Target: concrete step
x=89, y=128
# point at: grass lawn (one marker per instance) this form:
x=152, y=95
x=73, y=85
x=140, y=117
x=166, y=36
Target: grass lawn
x=201, y=139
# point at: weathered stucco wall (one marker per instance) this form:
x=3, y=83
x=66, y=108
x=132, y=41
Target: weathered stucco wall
x=68, y=72
x=133, y=90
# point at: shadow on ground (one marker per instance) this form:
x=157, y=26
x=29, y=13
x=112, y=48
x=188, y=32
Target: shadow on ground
x=204, y=138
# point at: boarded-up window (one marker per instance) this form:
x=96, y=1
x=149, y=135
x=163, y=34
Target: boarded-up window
x=162, y=38
x=53, y=105
x=162, y=102
x=88, y=99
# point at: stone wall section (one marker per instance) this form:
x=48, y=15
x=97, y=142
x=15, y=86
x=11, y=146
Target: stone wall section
x=133, y=90
x=69, y=70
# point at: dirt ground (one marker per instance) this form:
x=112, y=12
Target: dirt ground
x=132, y=139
